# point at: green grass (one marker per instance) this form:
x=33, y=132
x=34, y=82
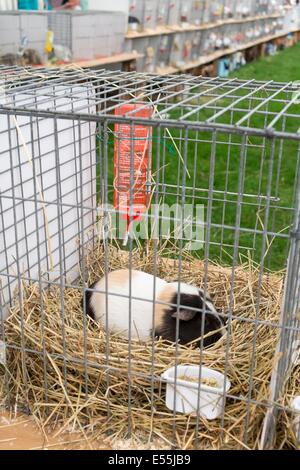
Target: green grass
x=227, y=174
x=283, y=67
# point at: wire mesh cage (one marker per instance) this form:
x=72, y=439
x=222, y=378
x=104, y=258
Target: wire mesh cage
x=145, y=12
x=88, y=34
x=174, y=12
x=147, y=61
x=22, y=31
x=150, y=255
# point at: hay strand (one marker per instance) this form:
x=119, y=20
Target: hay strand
x=93, y=398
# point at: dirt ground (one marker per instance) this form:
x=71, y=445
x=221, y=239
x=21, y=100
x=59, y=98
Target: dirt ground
x=21, y=433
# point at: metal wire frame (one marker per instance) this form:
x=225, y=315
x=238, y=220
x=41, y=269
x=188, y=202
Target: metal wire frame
x=217, y=96
x=62, y=27
x=229, y=117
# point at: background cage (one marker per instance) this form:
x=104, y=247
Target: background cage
x=174, y=12
x=230, y=145
x=89, y=34
x=149, y=47
x=19, y=30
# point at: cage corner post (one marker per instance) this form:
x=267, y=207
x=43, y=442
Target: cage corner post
x=286, y=350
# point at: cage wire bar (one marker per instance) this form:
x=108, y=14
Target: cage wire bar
x=290, y=319
x=224, y=143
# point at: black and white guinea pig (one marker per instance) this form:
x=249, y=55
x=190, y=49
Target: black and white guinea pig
x=191, y=309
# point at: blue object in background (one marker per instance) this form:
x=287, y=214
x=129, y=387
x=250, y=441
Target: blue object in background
x=28, y=4
x=271, y=49
x=223, y=67
x=84, y=4
x=47, y=5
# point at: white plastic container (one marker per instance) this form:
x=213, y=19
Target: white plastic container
x=211, y=401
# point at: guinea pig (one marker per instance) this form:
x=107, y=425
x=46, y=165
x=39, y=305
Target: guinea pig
x=31, y=57
x=191, y=301
x=28, y=57
x=10, y=59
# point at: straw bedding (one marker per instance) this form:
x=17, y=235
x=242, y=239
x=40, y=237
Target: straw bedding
x=96, y=399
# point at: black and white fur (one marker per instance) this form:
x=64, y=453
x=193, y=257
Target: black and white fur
x=191, y=300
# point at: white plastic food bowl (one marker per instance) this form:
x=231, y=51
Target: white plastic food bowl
x=211, y=400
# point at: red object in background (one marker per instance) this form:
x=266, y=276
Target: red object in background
x=132, y=142
x=186, y=50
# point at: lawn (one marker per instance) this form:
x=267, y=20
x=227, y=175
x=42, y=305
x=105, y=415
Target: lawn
x=239, y=174
x=283, y=67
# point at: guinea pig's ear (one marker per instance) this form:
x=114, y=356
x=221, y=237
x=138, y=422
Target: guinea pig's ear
x=184, y=314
